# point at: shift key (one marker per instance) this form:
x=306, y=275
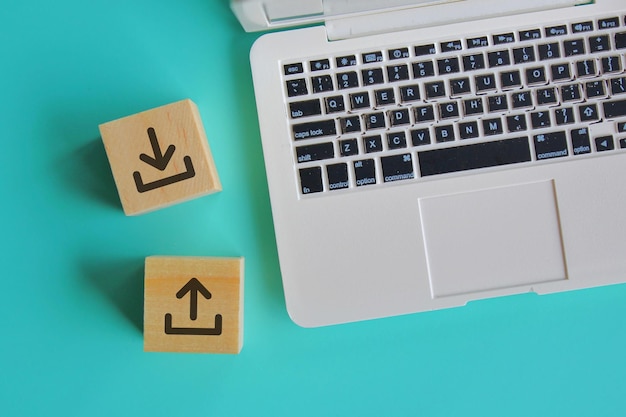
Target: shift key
x=613, y=109
x=314, y=129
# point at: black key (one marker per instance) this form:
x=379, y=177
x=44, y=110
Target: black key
x=322, y=83
x=399, y=117
x=550, y=145
x=620, y=40
x=497, y=103
x=574, y=47
x=473, y=62
x=536, y=75
x=609, y=23
x=398, y=72
x=580, y=141
x=522, y=99
x=473, y=106
x=305, y=108
x=425, y=50
x=540, y=119
x=385, y=97
x=510, y=79
x=295, y=68
x=564, y=116
x=398, y=53
x=334, y=104
x=296, y=87
x=485, y=82
x=499, y=58
x=474, y=156
x=468, y=130
x=409, y=93
x=315, y=152
x=621, y=127
x=314, y=129
x=423, y=69
x=420, y=137
x=586, y=68
x=396, y=140
x=622, y=143
x=337, y=176
x=348, y=147
x=503, y=38
x=523, y=55
x=448, y=65
x=435, y=89
x=375, y=121
x=516, y=123
x=615, y=108
x=449, y=110
x=424, y=114
x=451, y=46
x=611, y=64
x=595, y=89
x=365, y=172
x=492, y=126
x=397, y=167
x=556, y=31
x=618, y=86
x=346, y=61
x=372, y=143
x=560, y=72
x=311, y=180
x=582, y=27
x=604, y=143
x=370, y=57
x=588, y=112
x=350, y=124
x=549, y=51
x=360, y=100
x=460, y=86
x=527, y=35
x=444, y=133
x=570, y=92
x=372, y=76
x=477, y=42
x=347, y=80
x=319, y=65
x=599, y=43
x=546, y=96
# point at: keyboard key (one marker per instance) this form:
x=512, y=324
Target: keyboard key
x=423, y=69
x=499, y=58
x=409, y=93
x=305, y=108
x=372, y=143
x=334, y=104
x=473, y=106
x=350, y=124
x=360, y=100
x=621, y=127
x=428, y=49
x=372, y=76
x=337, y=176
x=609, y=23
x=570, y=92
x=560, y=72
x=444, y=133
x=474, y=156
x=550, y=145
x=611, y=64
x=449, y=110
x=398, y=53
x=365, y=172
x=385, y=96
x=477, y=42
x=375, y=121
x=424, y=114
x=399, y=117
x=396, y=140
x=564, y=116
x=503, y=38
x=615, y=108
x=346, y=61
x=586, y=68
x=546, y=96
x=347, y=80
x=549, y=51
x=582, y=27
x=448, y=65
x=599, y=43
x=311, y=180
x=523, y=55
x=485, y=82
x=620, y=40
x=521, y=99
x=314, y=129
x=497, y=103
x=473, y=62
x=622, y=143
x=398, y=72
x=370, y=57
x=536, y=75
x=322, y=83
x=469, y=130
x=580, y=141
x=295, y=68
x=451, y=46
x=510, y=79
x=604, y=143
x=420, y=137
x=589, y=112
x=435, y=89
x=319, y=65
x=595, y=89
x=574, y=47
x=460, y=86
x=348, y=147
x=397, y=167
x=556, y=31
x=540, y=119
x=492, y=126
x=315, y=152
x=297, y=87
x=618, y=86
x=516, y=123
x=532, y=34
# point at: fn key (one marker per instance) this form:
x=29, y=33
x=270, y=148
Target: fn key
x=311, y=180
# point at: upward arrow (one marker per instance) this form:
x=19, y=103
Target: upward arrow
x=193, y=287
x=159, y=161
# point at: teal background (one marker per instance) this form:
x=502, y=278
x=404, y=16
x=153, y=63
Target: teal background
x=71, y=291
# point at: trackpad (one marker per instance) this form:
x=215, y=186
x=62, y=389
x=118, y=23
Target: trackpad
x=494, y=238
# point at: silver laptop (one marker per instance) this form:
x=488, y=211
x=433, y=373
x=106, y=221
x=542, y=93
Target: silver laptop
x=423, y=154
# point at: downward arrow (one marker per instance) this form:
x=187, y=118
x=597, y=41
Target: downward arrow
x=159, y=161
x=193, y=287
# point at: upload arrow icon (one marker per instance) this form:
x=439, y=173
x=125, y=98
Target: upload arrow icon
x=193, y=287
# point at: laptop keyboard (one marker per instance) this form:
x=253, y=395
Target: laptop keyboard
x=409, y=112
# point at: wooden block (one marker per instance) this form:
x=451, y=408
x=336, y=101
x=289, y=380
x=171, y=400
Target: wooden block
x=160, y=157
x=193, y=304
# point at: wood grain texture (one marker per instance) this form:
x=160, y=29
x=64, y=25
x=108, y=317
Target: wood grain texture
x=183, y=297
x=160, y=157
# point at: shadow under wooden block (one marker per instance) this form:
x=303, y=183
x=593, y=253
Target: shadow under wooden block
x=193, y=304
x=160, y=157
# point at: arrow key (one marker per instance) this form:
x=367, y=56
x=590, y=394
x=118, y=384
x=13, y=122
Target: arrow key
x=604, y=143
x=588, y=112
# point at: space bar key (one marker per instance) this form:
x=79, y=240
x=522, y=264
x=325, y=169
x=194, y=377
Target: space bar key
x=474, y=156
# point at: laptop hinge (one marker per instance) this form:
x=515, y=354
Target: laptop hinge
x=343, y=23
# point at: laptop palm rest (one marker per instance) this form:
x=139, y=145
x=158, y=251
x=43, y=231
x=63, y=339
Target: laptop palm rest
x=492, y=239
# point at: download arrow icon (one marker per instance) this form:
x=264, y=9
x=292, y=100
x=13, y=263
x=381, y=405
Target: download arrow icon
x=159, y=161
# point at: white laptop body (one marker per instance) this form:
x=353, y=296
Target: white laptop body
x=413, y=243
